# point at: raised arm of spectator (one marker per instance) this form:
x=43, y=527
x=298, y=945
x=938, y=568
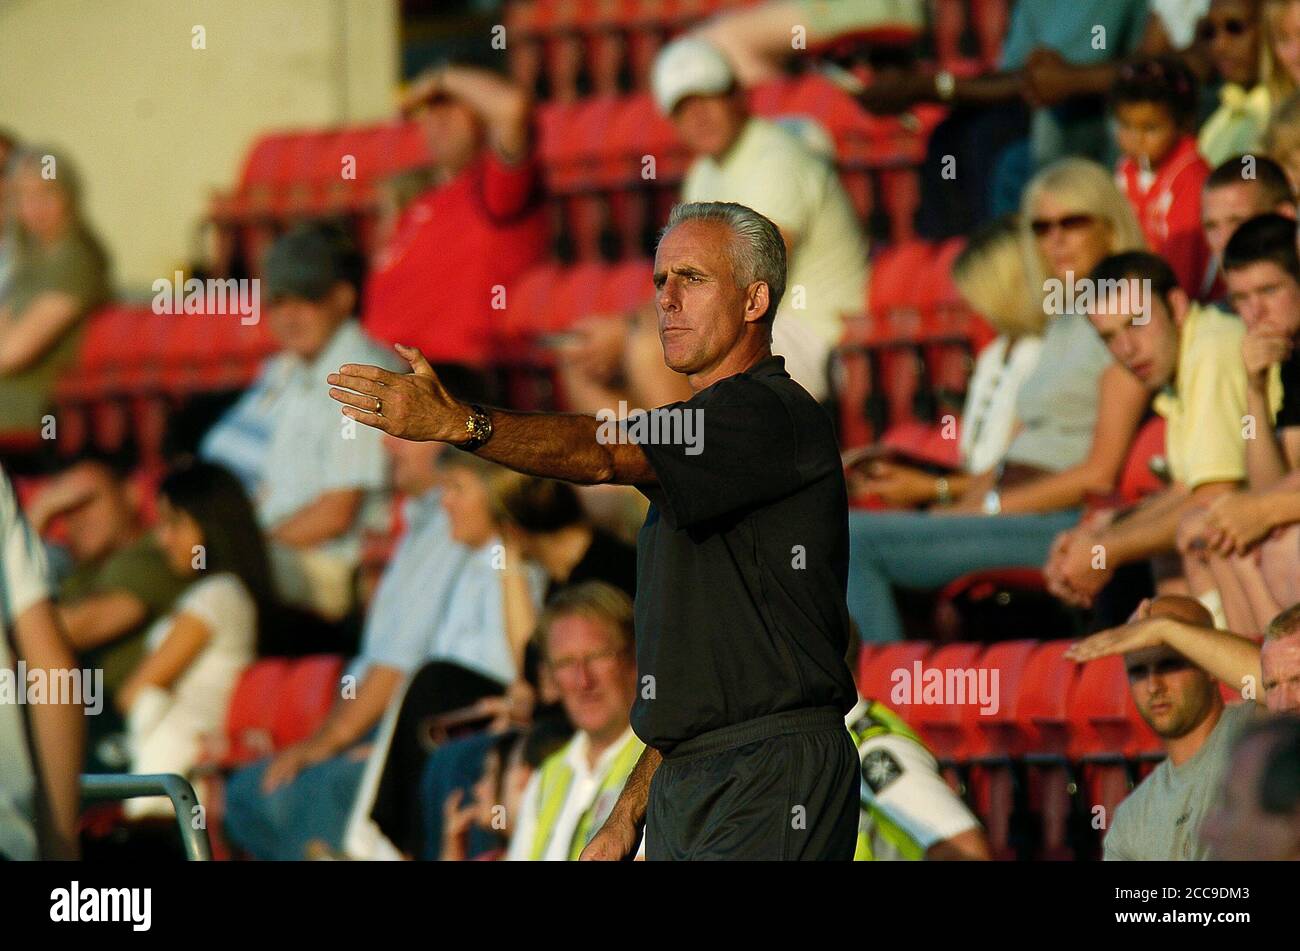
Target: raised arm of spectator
x=504, y=107
x=1123, y=401
x=1228, y=657
x=1270, y=455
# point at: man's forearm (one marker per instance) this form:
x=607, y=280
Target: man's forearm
x=1147, y=530
x=631, y=805
x=1265, y=465
x=1229, y=658
x=565, y=446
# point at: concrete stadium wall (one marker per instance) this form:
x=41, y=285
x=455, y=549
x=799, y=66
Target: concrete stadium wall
x=156, y=125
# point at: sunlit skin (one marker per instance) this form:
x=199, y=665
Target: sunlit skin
x=1238, y=829
x=41, y=204
x=304, y=327
x=710, y=125
x=1279, y=663
x=465, y=499
x=1266, y=297
x=709, y=327
x=1147, y=348
x=179, y=536
x=1227, y=206
x=1235, y=58
x=597, y=682
x=1285, y=40
x=1145, y=132
x=1077, y=250
x=1176, y=704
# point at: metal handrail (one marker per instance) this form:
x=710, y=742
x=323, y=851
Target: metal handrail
x=97, y=787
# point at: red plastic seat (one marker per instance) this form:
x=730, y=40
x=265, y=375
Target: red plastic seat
x=307, y=695
x=877, y=676
x=949, y=727
x=252, y=712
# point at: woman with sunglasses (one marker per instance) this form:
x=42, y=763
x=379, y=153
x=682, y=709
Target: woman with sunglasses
x=1067, y=441
x=1230, y=36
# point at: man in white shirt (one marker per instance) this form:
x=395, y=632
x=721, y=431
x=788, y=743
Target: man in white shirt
x=322, y=481
x=39, y=786
x=585, y=635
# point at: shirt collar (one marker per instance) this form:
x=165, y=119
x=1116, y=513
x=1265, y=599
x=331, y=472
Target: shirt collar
x=337, y=351
x=577, y=755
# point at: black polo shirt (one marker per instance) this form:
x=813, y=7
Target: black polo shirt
x=742, y=561
x=1288, y=414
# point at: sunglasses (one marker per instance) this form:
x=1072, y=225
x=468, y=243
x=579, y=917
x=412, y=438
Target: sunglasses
x=1042, y=227
x=1170, y=665
x=1234, y=27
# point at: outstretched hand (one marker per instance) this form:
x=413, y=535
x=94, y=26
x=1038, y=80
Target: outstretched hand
x=411, y=405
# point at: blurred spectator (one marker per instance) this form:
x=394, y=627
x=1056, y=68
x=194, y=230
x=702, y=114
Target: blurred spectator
x=182, y=687
x=990, y=274
x=119, y=584
x=586, y=640
x=1161, y=172
x=908, y=810
x=737, y=158
x=1257, y=816
x=1161, y=819
x=1188, y=357
x=1230, y=32
x=1240, y=188
x=1068, y=442
x=437, y=282
x=1282, y=139
x=758, y=39
x=60, y=273
x=396, y=193
x=469, y=665
x=41, y=744
x=303, y=794
x=1279, y=662
x=1280, y=48
x=1263, y=274
x=320, y=478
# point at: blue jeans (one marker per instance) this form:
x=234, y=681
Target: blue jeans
x=315, y=805
x=916, y=550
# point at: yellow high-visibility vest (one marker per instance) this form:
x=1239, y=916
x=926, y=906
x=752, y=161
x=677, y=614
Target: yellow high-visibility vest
x=554, y=784
x=877, y=721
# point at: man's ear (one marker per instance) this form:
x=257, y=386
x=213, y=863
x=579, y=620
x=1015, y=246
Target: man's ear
x=757, y=301
x=1179, y=305
x=343, y=298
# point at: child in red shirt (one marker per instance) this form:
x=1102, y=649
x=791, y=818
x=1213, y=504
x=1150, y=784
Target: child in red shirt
x=1161, y=172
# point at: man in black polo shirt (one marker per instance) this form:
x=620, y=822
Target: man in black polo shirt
x=742, y=562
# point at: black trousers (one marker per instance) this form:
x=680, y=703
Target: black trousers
x=780, y=788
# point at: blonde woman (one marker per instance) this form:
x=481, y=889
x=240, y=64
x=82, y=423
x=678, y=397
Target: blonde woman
x=1279, y=48
x=1066, y=440
x=60, y=273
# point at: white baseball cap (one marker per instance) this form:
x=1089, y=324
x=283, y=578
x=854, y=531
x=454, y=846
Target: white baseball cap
x=689, y=66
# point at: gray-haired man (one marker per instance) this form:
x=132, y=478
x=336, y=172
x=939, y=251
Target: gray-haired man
x=741, y=623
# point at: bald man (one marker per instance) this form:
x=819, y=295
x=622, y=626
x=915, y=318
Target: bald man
x=1181, y=702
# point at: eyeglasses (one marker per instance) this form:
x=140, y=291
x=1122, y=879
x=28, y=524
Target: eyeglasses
x=1233, y=27
x=1042, y=227
x=1160, y=668
x=567, y=667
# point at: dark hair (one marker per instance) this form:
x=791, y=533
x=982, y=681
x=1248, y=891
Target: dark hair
x=547, y=735
x=1140, y=266
x=232, y=539
x=1266, y=173
x=1279, y=775
x=535, y=504
x=1264, y=238
x=1165, y=81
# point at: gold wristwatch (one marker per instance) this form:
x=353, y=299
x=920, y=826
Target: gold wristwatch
x=479, y=428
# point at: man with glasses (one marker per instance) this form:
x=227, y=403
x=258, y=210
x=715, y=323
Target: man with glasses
x=1161, y=818
x=585, y=635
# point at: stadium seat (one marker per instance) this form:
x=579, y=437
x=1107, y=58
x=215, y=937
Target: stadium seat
x=949, y=727
x=307, y=695
x=876, y=679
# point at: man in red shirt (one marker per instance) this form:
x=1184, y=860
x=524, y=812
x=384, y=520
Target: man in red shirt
x=439, y=282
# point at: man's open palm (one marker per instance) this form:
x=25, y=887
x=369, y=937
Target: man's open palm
x=411, y=405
